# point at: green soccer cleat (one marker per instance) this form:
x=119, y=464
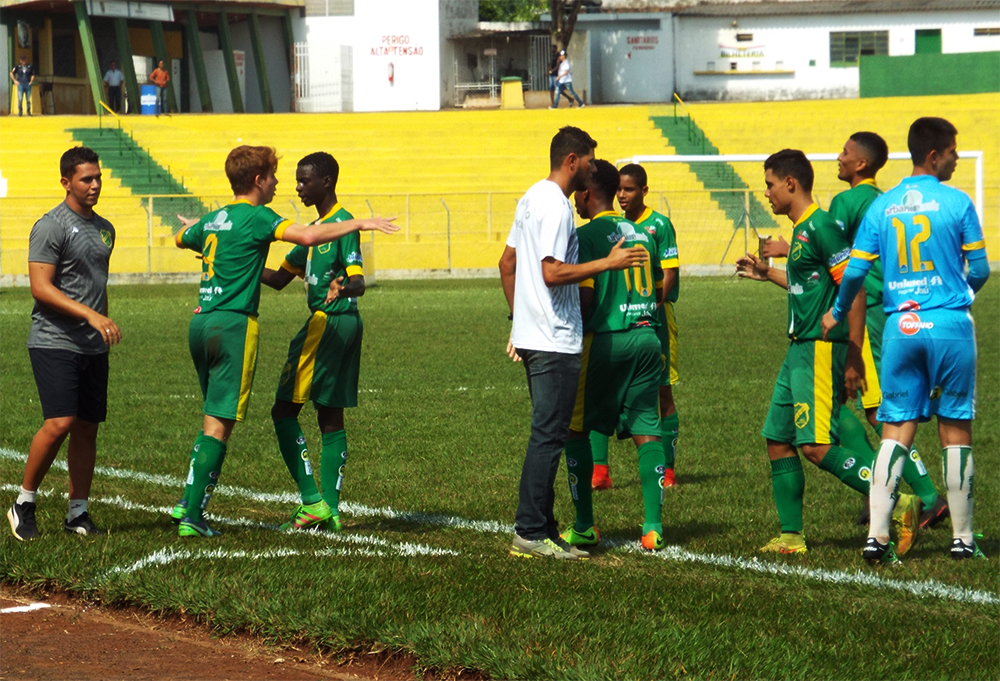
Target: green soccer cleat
x=333, y=524
x=880, y=555
x=652, y=541
x=190, y=528
x=906, y=521
x=962, y=551
x=788, y=542
x=179, y=511
x=308, y=516
x=574, y=537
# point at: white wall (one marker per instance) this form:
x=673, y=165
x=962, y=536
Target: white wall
x=218, y=81
x=5, y=69
x=275, y=61
x=455, y=17
x=790, y=43
x=632, y=65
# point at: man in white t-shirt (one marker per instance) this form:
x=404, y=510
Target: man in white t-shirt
x=113, y=78
x=564, y=82
x=539, y=273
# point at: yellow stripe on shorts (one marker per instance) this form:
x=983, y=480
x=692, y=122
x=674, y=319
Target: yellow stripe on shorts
x=576, y=423
x=249, y=365
x=873, y=393
x=668, y=308
x=823, y=390
x=307, y=358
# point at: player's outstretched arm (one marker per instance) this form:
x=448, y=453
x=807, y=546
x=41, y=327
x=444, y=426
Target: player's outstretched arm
x=41, y=277
x=354, y=288
x=558, y=273
x=757, y=269
x=313, y=235
x=276, y=279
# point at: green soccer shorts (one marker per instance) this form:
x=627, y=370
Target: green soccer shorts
x=667, y=334
x=619, y=377
x=224, y=349
x=872, y=355
x=324, y=360
x=805, y=404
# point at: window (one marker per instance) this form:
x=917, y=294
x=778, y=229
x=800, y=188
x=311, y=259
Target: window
x=987, y=31
x=744, y=37
x=847, y=47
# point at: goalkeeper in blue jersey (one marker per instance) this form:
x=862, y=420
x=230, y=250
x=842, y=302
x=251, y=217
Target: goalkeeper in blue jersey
x=924, y=233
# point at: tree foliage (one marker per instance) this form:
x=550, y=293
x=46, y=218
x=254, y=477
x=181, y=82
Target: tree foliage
x=564, y=13
x=511, y=10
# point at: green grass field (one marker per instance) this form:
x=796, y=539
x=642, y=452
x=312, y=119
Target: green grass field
x=431, y=486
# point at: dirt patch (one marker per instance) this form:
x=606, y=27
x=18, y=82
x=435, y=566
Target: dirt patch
x=74, y=641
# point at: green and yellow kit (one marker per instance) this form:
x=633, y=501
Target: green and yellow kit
x=665, y=236
x=233, y=242
x=324, y=358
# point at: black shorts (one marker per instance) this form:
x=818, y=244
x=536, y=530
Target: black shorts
x=71, y=384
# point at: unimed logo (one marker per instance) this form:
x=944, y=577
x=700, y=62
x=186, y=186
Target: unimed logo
x=910, y=323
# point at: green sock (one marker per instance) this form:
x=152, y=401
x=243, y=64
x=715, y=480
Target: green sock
x=333, y=460
x=669, y=426
x=854, y=469
x=651, y=466
x=599, y=448
x=292, y=444
x=204, y=475
x=852, y=432
x=190, y=475
x=916, y=476
x=788, y=482
x=580, y=466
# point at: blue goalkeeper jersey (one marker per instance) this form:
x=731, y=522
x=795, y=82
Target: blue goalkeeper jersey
x=924, y=232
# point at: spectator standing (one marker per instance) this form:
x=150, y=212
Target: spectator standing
x=23, y=76
x=564, y=82
x=159, y=77
x=113, y=77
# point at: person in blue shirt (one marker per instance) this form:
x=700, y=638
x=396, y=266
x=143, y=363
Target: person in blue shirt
x=925, y=234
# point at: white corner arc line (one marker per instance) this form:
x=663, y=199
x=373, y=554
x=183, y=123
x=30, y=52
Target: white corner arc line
x=25, y=608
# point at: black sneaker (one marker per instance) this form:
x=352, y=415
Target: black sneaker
x=22, y=521
x=960, y=550
x=877, y=553
x=935, y=514
x=82, y=524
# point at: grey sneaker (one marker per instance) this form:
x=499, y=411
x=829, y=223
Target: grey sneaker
x=569, y=548
x=526, y=548
x=22, y=521
x=82, y=524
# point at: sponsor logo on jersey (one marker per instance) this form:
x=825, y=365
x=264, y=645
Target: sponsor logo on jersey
x=796, y=289
x=908, y=284
x=801, y=415
x=814, y=276
x=353, y=258
x=909, y=323
x=839, y=257
x=935, y=393
x=896, y=395
x=908, y=305
x=220, y=223
x=913, y=202
x=802, y=237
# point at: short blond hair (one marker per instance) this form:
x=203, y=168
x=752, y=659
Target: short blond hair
x=245, y=164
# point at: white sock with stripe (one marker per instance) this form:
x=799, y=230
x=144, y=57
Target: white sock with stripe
x=77, y=507
x=958, y=470
x=886, y=474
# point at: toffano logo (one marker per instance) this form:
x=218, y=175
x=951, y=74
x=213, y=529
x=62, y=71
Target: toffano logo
x=910, y=324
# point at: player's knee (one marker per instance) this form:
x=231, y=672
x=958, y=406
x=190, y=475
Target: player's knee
x=59, y=426
x=84, y=429
x=815, y=453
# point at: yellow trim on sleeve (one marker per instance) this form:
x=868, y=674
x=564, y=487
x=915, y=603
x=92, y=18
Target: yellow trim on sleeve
x=975, y=246
x=289, y=267
x=354, y=269
x=805, y=216
x=179, y=236
x=279, y=231
x=670, y=264
x=870, y=257
x=587, y=283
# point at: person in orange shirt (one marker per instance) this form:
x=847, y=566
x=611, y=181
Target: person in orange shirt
x=159, y=77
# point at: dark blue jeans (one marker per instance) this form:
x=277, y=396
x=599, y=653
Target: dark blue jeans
x=552, y=381
x=23, y=93
x=561, y=90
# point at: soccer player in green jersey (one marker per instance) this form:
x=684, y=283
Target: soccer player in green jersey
x=631, y=198
x=621, y=365
x=804, y=411
x=324, y=358
x=234, y=242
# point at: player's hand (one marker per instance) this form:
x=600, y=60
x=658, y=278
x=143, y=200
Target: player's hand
x=752, y=267
x=336, y=286
x=186, y=222
x=828, y=322
x=624, y=258
x=775, y=249
x=110, y=333
x=383, y=225
x=854, y=374
x=512, y=352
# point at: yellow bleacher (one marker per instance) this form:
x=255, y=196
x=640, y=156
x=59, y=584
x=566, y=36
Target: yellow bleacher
x=824, y=126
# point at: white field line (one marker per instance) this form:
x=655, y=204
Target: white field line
x=25, y=608
x=929, y=588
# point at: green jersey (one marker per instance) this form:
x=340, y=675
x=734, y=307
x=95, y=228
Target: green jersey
x=817, y=257
x=320, y=265
x=662, y=229
x=623, y=299
x=233, y=242
x=848, y=209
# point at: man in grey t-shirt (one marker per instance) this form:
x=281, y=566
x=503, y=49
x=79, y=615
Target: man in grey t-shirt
x=68, y=254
